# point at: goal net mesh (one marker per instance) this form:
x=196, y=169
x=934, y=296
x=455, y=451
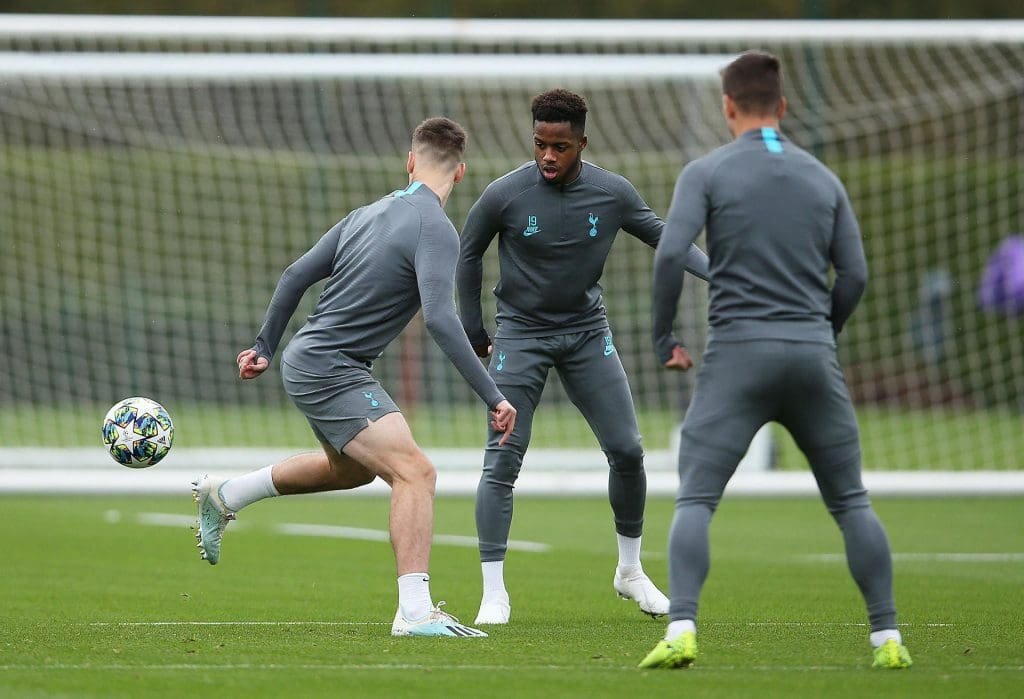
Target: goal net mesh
x=155, y=186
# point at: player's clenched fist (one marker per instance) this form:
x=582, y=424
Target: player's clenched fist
x=250, y=364
x=680, y=359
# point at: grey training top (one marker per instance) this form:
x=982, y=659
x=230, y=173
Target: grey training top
x=381, y=262
x=552, y=246
x=776, y=220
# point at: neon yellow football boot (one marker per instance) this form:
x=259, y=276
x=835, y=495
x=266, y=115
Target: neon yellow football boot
x=892, y=656
x=679, y=652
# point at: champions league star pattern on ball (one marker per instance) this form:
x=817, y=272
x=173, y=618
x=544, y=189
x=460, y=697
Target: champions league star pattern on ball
x=138, y=432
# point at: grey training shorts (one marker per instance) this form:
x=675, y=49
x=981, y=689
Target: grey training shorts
x=743, y=385
x=338, y=406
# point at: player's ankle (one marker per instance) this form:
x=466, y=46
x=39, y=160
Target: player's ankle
x=679, y=627
x=882, y=635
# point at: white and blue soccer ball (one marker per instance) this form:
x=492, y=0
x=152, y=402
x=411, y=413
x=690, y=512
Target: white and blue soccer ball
x=138, y=432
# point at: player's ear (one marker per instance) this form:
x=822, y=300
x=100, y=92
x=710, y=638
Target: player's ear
x=410, y=163
x=728, y=107
x=583, y=142
x=780, y=110
x=460, y=172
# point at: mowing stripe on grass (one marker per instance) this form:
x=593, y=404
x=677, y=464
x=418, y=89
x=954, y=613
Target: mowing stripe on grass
x=433, y=667
x=927, y=557
x=332, y=531
x=271, y=666
x=238, y=623
x=158, y=519
x=165, y=519
x=814, y=623
x=383, y=623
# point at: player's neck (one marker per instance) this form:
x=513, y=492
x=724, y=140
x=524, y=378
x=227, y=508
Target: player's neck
x=742, y=125
x=438, y=183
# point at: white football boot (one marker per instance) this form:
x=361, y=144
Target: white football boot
x=632, y=583
x=494, y=609
x=212, y=517
x=435, y=623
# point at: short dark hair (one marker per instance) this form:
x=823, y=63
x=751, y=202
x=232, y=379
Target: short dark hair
x=561, y=105
x=441, y=140
x=754, y=82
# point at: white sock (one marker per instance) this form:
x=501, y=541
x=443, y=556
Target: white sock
x=414, y=601
x=678, y=628
x=248, y=488
x=880, y=637
x=494, y=578
x=629, y=550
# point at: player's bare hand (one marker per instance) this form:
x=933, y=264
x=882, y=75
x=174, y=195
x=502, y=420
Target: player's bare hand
x=250, y=364
x=503, y=419
x=680, y=359
x=483, y=350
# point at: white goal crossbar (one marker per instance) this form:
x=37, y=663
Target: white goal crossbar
x=502, y=32
x=232, y=67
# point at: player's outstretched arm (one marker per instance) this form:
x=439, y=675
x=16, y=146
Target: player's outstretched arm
x=686, y=217
x=313, y=266
x=641, y=222
x=436, y=256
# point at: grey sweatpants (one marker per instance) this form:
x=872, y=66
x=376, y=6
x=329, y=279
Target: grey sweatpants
x=595, y=381
x=740, y=387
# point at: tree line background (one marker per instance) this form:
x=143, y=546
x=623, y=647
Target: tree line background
x=583, y=9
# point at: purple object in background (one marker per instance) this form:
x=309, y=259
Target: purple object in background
x=1002, y=284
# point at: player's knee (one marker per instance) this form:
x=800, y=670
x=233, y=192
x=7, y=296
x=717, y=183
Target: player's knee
x=425, y=471
x=841, y=505
x=841, y=485
x=417, y=470
x=627, y=459
x=502, y=465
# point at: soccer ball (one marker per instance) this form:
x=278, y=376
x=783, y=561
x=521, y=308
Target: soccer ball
x=138, y=432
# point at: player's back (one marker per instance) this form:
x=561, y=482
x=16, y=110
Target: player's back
x=372, y=291
x=770, y=231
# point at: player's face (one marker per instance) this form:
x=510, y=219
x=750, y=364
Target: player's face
x=557, y=150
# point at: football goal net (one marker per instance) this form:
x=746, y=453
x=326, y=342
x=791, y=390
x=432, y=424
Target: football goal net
x=158, y=174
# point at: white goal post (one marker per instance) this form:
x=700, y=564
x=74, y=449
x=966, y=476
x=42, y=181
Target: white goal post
x=160, y=172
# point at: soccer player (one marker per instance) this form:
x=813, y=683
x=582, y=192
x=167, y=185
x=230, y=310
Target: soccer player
x=776, y=221
x=382, y=262
x=556, y=219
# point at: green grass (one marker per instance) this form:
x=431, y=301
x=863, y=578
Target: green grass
x=101, y=605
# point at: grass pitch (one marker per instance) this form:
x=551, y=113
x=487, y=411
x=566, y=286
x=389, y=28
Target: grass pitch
x=107, y=597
